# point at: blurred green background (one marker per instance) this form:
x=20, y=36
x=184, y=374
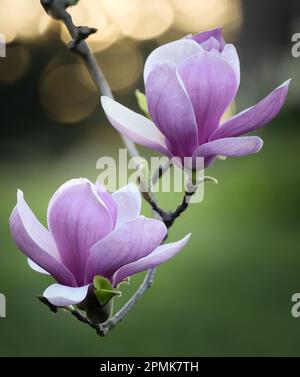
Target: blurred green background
x=229, y=292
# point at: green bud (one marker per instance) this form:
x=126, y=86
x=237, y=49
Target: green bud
x=98, y=304
x=103, y=290
x=142, y=102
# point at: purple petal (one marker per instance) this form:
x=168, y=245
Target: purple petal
x=211, y=44
x=233, y=146
x=77, y=219
x=135, y=126
x=36, y=242
x=160, y=255
x=62, y=295
x=126, y=244
x=203, y=37
x=174, y=52
x=230, y=55
x=171, y=109
x=108, y=201
x=36, y=267
x=255, y=117
x=128, y=202
x=211, y=85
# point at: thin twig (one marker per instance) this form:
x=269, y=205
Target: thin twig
x=76, y=313
x=121, y=314
x=160, y=171
x=58, y=10
x=82, y=318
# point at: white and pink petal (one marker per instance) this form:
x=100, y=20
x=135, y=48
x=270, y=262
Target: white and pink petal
x=174, y=52
x=62, y=295
x=128, y=201
x=36, y=242
x=231, y=147
x=256, y=116
x=77, y=219
x=230, y=55
x=35, y=267
x=211, y=85
x=160, y=255
x=134, y=126
x=128, y=243
x=171, y=109
x=205, y=36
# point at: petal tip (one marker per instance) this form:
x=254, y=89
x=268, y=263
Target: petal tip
x=20, y=195
x=258, y=144
x=186, y=239
x=285, y=84
x=106, y=103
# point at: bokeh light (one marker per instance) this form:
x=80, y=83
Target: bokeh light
x=15, y=65
x=93, y=13
x=116, y=19
x=63, y=97
x=147, y=19
x=194, y=15
x=67, y=91
x=20, y=18
x=121, y=76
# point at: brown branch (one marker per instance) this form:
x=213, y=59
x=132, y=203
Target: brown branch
x=57, y=9
x=121, y=314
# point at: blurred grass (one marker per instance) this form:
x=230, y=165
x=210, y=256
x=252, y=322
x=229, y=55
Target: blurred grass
x=228, y=293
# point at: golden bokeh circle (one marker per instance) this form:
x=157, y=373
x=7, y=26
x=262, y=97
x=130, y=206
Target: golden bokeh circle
x=122, y=65
x=15, y=65
x=64, y=98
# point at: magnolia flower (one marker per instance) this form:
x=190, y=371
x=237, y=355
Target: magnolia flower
x=90, y=233
x=189, y=85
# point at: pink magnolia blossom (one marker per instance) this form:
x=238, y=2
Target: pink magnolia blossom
x=189, y=84
x=90, y=233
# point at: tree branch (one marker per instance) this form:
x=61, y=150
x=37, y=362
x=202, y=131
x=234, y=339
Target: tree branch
x=57, y=9
x=121, y=314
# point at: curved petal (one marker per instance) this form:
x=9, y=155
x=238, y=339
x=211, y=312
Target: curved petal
x=108, y=201
x=211, y=85
x=171, y=109
x=174, y=52
x=135, y=126
x=62, y=295
x=211, y=44
x=36, y=242
x=160, y=255
x=230, y=55
x=128, y=202
x=233, y=146
x=36, y=267
x=256, y=116
x=128, y=243
x=216, y=33
x=78, y=218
